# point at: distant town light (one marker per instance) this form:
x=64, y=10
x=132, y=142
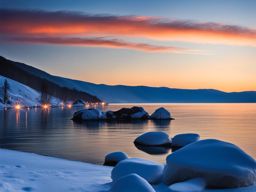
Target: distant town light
x=17, y=106
x=45, y=106
x=69, y=106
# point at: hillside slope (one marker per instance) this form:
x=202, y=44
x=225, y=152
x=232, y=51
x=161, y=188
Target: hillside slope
x=22, y=94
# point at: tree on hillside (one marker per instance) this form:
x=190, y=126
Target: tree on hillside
x=45, y=97
x=6, y=88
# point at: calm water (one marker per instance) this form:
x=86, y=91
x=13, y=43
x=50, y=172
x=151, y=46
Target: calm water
x=53, y=133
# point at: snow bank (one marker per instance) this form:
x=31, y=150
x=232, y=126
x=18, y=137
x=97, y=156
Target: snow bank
x=153, y=139
x=131, y=183
x=181, y=140
x=221, y=164
x=161, y=114
x=148, y=170
x=113, y=158
x=30, y=172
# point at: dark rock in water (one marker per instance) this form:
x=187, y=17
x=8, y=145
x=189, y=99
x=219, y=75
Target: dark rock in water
x=153, y=150
x=77, y=116
x=113, y=158
x=131, y=113
x=220, y=164
x=110, y=115
x=157, y=138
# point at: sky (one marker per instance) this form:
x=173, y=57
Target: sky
x=168, y=43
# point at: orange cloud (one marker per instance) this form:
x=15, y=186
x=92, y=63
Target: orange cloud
x=99, y=42
x=20, y=22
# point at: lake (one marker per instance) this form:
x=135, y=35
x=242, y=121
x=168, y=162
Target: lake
x=52, y=133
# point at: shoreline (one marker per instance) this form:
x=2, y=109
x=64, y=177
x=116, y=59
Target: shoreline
x=23, y=171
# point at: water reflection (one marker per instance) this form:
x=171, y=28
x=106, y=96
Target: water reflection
x=51, y=132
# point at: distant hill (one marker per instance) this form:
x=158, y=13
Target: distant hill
x=118, y=93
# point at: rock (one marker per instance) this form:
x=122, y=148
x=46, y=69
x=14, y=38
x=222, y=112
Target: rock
x=131, y=183
x=220, y=164
x=153, y=139
x=148, y=170
x=192, y=185
x=89, y=114
x=181, y=140
x=110, y=115
x=161, y=114
x=131, y=113
x=79, y=102
x=113, y=158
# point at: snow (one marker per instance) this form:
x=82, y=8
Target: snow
x=181, y=140
x=131, y=183
x=21, y=171
x=30, y=172
x=113, y=158
x=148, y=170
x=157, y=138
x=161, y=113
x=192, y=185
x=22, y=94
x=212, y=160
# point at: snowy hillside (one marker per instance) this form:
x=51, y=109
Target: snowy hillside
x=20, y=93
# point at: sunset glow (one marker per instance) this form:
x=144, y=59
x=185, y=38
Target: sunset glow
x=177, y=44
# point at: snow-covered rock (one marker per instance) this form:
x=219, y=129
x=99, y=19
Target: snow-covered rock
x=113, y=158
x=181, y=140
x=221, y=164
x=158, y=138
x=149, y=170
x=131, y=183
x=161, y=113
x=89, y=114
x=192, y=185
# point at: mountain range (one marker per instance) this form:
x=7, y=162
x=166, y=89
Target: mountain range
x=69, y=89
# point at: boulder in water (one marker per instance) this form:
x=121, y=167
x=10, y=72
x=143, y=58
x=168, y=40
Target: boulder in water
x=113, y=158
x=158, y=138
x=161, y=114
x=181, y=140
x=149, y=170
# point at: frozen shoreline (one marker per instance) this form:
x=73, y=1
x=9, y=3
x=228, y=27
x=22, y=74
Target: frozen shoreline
x=20, y=171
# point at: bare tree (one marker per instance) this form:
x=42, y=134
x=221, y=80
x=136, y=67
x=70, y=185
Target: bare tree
x=6, y=88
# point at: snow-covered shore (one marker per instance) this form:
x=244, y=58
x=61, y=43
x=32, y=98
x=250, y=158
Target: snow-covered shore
x=21, y=171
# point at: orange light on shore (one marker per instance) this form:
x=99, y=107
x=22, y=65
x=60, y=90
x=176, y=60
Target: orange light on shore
x=45, y=106
x=69, y=106
x=17, y=106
